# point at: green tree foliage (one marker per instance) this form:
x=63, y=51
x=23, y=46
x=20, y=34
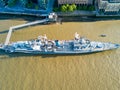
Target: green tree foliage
x=80, y=8
x=63, y=8
x=11, y=3
x=70, y=8
x=36, y=7
x=29, y=5
x=74, y=6
x=56, y=9
x=67, y=7
x=91, y=8
x=84, y=7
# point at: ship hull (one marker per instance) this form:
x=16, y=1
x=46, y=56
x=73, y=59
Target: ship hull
x=65, y=52
x=44, y=46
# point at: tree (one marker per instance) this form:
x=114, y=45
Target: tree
x=11, y=3
x=36, y=7
x=56, y=9
x=63, y=8
x=29, y=5
x=74, y=6
x=80, y=8
x=91, y=8
x=67, y=5
x=70, y=8
x=84, y=7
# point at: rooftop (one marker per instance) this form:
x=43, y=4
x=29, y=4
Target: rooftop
x=107, y=5
x=75, y=1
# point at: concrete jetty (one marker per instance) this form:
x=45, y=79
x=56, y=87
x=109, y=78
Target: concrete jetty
x=21, y=26
x=8, y=36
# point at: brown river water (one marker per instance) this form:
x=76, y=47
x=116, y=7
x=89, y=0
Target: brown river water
x=97, y=71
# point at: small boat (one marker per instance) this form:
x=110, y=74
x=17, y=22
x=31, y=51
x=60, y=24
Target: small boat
x=42, y=45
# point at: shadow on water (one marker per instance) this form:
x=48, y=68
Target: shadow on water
x=14, y=55
x=3, y=32
x=64, y=18
x=19, y=17
x=87, y=19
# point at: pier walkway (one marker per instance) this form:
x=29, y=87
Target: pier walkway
x=21, y=26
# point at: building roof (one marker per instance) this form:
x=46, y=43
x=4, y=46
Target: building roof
x=108, y=6
x=112, y=7
x=114, y=1
x=75, y=1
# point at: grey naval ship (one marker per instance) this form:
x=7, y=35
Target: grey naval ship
x=42, y=45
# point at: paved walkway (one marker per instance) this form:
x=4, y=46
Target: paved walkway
x=77, y=13
x=8, y=36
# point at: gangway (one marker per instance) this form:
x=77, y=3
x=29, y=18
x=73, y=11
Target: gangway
x=21, y=26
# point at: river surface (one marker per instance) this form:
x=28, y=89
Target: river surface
x=97, y=71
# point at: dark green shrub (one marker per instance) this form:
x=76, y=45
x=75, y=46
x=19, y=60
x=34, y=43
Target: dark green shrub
x=56, y=9
x=11, y=3
x=80, y=8
x=36, y=7
x=91, y=8
x=84, y=7
x=29, y=5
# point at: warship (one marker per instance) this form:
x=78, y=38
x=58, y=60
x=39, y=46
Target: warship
x=42, y=45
